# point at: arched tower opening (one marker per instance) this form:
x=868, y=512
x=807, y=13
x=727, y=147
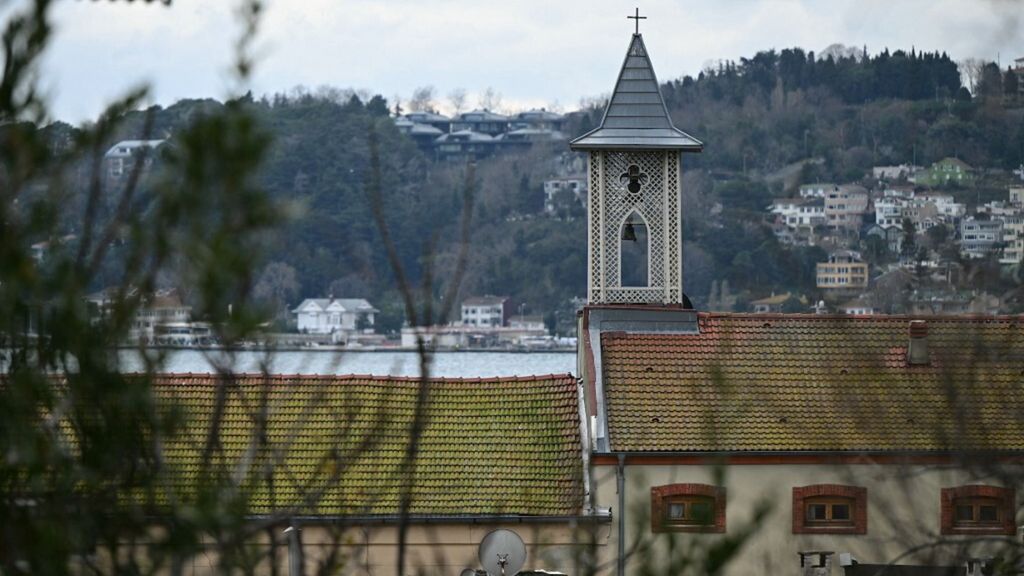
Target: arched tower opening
x=634, y=252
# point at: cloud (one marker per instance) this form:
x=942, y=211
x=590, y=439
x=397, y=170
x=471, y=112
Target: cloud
x=531, y=51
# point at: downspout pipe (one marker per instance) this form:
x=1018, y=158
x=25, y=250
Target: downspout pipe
x=620, y=479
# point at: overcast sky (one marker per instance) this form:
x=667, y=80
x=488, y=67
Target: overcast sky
x=533, y=52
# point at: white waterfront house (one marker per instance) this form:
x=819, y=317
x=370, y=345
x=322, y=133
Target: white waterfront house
x=485, y=311
x=334, y=315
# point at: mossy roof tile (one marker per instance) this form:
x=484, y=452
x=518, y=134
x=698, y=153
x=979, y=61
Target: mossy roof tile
x=489, y=446
x=752, y=382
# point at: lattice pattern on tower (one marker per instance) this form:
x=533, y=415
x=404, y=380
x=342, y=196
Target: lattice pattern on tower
x=621, y=184
x=620, y=203
x=595, y=207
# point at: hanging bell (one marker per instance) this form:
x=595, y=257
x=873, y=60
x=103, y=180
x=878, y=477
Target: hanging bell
x=627, y=231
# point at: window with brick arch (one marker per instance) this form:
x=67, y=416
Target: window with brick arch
x=979, y=510
x=830, y=509
x=688, y=508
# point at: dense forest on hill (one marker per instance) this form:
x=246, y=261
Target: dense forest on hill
x=824, y=119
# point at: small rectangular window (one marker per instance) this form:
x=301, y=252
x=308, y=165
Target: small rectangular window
x=690, y=511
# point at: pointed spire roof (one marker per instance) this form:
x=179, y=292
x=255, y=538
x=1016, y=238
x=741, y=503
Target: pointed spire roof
x=636, y=116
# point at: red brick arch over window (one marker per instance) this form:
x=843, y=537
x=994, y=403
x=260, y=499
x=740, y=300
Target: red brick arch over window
x=661, y=495
x=1004, y=498
x=856, y=495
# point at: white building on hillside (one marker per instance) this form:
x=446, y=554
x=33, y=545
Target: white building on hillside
x=796, y=212
x=889, y=211
x=816, y=190
x=979, y=238
x=334, y=315
x=121, y=158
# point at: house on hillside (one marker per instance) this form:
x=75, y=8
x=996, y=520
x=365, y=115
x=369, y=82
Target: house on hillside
x=481, y=122
x=465, y=144
x=980, y=238
x=892, y=236
x=817, y=189
x=121, y=160
x=845, y=207
x=844, y=270
x=424, y=135
x=562, y=194
x=427, y=118
x=334, y=316
x=946, y=171
x=892, y=173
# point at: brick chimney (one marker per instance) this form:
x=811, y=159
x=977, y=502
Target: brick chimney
x=815, y=563
x=917, y=350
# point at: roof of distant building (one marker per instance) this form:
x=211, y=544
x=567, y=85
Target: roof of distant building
x=425, y=129
x=127, y=148
x=806, y=383
x=538, y=115
x=636, y=116
x=955, y=162
x=481, y=116
x=349, y=304
x=532, y=134
x=343, y=439
x=465, y=136
x=427, y=117
x=774, y=299
x=484, y=300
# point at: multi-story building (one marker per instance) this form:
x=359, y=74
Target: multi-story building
x=1013, y=240
x=796, y=212
x=889, y=211
x=566, y=189
x=486, y=311
x=845, y=206
x=979, y=238
x=843, y=270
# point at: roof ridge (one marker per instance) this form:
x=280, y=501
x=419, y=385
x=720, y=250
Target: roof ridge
x=552, y=377
x=958, y=319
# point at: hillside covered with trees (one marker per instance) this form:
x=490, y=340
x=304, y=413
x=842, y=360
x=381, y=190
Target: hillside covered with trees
x=776, y=113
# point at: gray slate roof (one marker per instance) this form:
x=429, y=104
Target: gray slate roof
x=636, y=116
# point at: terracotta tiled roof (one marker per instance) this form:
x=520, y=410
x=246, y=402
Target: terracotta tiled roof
x=490, y=446
x=774, y=382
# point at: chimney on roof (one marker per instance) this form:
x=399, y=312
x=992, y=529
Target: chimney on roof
x=917, y=350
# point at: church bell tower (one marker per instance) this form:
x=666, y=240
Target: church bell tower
x=634, y=216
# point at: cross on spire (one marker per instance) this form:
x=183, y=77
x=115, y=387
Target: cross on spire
x=637, y=17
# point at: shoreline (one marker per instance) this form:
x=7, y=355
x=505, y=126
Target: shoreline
x=361, y=350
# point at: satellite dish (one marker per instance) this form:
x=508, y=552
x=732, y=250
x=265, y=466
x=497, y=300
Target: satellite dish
x=502, y=553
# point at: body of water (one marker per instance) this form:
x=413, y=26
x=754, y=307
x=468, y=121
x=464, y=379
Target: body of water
x=394, y=363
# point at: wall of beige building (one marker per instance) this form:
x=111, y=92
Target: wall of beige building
x=431, y=549
x=903, y=512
